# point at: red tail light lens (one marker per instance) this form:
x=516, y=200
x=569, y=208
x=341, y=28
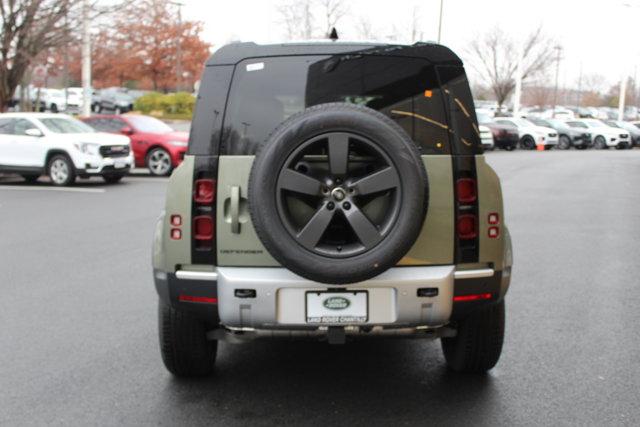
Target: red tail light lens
x=472, y=297
x=493, y=218
x=467, y=227
x=204, y=190
x=466, y=189
x=203, y=227
x=176, y=234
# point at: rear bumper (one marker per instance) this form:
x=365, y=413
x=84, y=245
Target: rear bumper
x=247, y=299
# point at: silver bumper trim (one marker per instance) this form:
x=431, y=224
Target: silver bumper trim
x=280, y=295
x=473, y=274
x=197, y=275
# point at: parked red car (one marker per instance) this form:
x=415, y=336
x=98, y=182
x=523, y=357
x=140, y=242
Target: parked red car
x=155, y=145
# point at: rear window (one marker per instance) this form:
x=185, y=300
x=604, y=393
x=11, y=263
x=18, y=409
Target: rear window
x=266, y=91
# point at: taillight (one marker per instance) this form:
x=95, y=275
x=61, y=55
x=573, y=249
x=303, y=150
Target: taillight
x=466, y=190
x=204, y=190
x=466, y=227
x=203, y=228
x=472, y=297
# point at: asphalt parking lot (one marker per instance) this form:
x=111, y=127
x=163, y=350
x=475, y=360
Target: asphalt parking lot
x=79, y=340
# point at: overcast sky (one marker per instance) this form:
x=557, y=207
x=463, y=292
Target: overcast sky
x=601, y=36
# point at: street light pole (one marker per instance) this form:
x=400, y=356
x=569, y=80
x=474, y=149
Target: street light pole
x=623, y=94
x=555, y=89
x=86, y=60
x=178, y=46
x=440, y=22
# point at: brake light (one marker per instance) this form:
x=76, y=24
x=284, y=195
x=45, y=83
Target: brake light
x=471, y=297
x=466, y=189
x=204, y=190
x=203, y=227
x=493, y=218
x=466, y=227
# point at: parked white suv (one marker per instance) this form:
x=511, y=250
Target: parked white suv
x=57, y=145
x=603, y=135
x=530, y=134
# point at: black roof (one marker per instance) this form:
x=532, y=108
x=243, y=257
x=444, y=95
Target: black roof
x=236, y=52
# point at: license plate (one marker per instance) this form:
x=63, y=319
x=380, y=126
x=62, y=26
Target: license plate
x=337, y=307
x=119, y=164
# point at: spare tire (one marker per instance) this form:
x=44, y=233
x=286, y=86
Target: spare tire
x=338, y=193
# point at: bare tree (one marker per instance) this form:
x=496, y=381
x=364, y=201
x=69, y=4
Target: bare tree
x=300, y=16
x=365, y=29
x=297, y=17
x=332, y=12
x=495, y=57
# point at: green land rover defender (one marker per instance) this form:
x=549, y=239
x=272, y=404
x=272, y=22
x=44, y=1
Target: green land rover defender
x=332, y=191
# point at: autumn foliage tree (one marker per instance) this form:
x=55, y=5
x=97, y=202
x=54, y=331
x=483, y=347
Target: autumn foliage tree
x=142, y=46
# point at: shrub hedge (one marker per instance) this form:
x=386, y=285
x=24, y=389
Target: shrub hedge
x=179, y=103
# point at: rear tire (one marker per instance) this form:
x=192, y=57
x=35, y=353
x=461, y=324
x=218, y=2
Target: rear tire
x=184, y=347
x=478, y=344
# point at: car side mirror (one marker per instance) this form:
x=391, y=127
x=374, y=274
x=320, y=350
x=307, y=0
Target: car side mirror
x=126, y=130
x=33, y=132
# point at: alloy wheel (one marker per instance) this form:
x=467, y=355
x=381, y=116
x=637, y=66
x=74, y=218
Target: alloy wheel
x=59, y=171
x=338, y=194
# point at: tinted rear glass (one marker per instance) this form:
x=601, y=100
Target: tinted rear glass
x=266, y=91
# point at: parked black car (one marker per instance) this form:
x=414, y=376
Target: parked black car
x=567, y=136
x=504, y=136
x=116, y=100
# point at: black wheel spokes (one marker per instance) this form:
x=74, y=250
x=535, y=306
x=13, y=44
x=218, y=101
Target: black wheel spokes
x=315, y=228
x=367, y=233
x=337, y=191
x=338, y=144
x=300, y=183
x=382, y=180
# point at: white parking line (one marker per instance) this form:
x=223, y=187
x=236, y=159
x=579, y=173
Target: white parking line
x=70, y=190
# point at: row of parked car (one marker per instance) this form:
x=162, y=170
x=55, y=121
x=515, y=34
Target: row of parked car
x=509, y=133
x=70, y=100
x=64, y=148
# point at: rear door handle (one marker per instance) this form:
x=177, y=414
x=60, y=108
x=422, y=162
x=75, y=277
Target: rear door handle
x=235, y=209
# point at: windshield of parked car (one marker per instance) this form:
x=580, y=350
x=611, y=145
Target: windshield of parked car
x=595, y=123
x=522, y=122
x=62, y=125
x=540, y=122
x=149, y=124
x=483, y=118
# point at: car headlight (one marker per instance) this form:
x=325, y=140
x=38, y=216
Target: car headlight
x=88, y=148
x=179, y=143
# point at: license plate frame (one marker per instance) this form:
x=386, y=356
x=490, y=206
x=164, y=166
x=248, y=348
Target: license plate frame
x=318, y=308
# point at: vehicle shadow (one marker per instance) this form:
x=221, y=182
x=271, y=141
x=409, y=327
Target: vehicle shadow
x=391, y=381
